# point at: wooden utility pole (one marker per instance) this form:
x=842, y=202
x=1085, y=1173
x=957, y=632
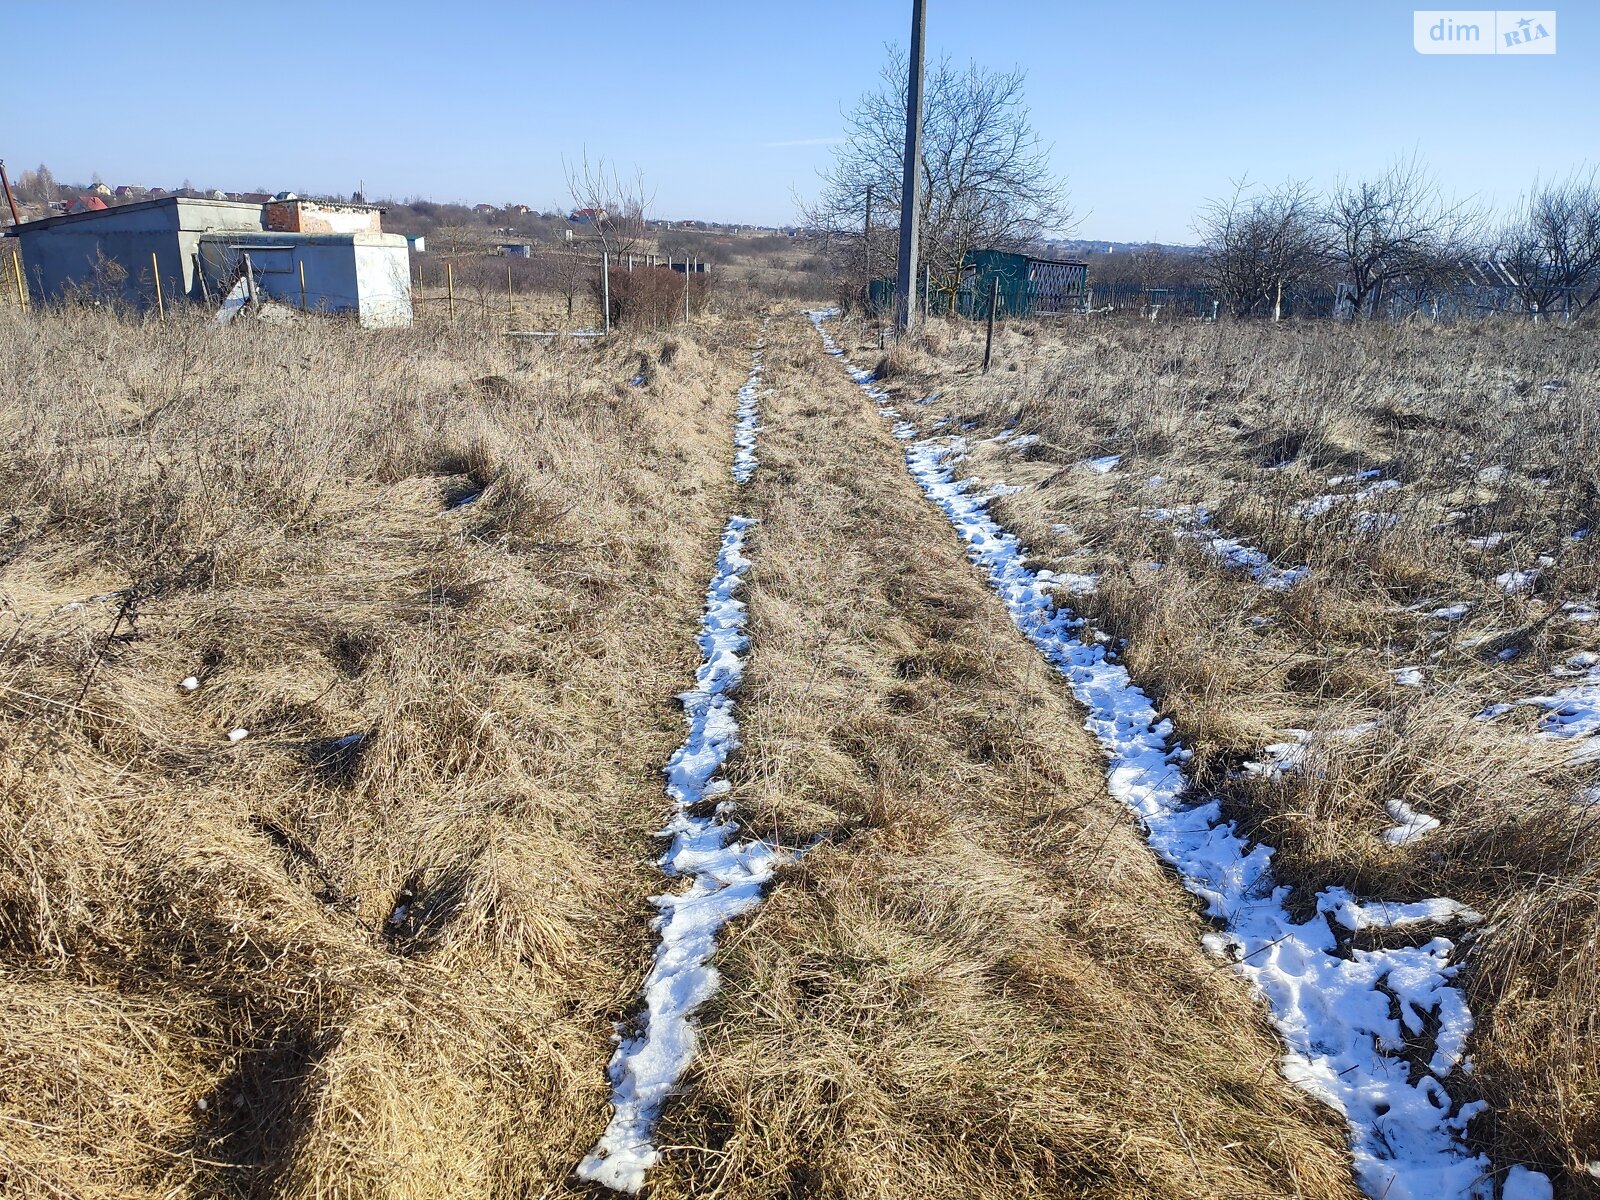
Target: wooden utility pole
x=910, y=177
x=988, y=338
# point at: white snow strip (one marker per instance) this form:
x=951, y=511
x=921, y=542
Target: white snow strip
x=1410, y=677
x=1452, y=612
x=1358, y=477
x=1488, y=541
x=1346, y=1015
x=726, y=879
x=745, y=421
x=1105, y=464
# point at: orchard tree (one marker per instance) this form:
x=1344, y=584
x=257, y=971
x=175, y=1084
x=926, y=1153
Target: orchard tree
x=1551, y=246
x=1386, y=229
x=986, y=181
x=1261, y=244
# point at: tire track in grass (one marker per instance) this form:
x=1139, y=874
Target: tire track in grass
x=726, y=876
x=1371, y=1032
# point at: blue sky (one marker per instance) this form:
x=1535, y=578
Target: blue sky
x=1151, y=105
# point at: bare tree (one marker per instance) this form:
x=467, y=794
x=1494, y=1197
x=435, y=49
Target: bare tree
x=1261, y=244
x=618, y=207
x=986, y=179
x=1398, y=224
x=1551, y=246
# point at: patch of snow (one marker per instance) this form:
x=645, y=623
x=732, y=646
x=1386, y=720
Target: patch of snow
x=238, y=735
x=1409, y=823
x=726, y=879
x=1523, y=1184
x=1231, y=552
x=1410, y=677
x=1452, y=612
x=905, y=431
x=1103, y=465
x=1070, y=582
x=1570, y=713
x=1492, y=474
x=190, y=684
x=1358, y=477
x=1155, y=481
x=1023, y=440
x=1580, y=610
x=1368, y=522
x=1488, y=541
x=1516, y=581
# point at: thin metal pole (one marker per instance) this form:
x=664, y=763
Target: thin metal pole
x=511, y=297
x=302, y=265
x=866, y=247
x=249, y=281
x=927, y=290
x=16, y=269
x=605, y=285
x=988, y=338
x=155, y=273
x=686, y=290
x=910, y=177
x=450, y=288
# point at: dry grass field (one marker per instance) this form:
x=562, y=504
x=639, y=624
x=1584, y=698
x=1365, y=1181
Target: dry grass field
x=338, y=669
x=1438, y=485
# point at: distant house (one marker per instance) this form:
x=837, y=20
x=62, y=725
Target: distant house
x=484, y=208
x=130, y=191
x=83, y=204
x=521, y=210
x=587, y=216
x=102, y=191
x=155, y=192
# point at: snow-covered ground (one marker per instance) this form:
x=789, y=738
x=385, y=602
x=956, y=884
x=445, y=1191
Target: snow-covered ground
x=726, y=876
x=1354, y=1022
x=1571, y=713
x=1233, y=553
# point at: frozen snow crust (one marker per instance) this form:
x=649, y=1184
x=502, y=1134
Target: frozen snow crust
x=1370, y=1032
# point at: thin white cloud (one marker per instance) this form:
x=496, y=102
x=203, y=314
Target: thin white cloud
x=810, y=141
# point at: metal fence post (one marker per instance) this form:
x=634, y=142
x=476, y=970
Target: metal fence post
x=155, y=274
x=988, y=338
x=302, y=265
x=605, y=285
x=450, y=289
x=16, y=269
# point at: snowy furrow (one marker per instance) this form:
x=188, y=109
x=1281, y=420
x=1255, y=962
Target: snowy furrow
x=745, y=419
x=1232, y=553
x=1355, y=1023
x=726, y=876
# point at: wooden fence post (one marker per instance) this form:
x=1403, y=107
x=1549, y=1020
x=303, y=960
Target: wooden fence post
x=302, y=265
x=988, y=338
x=16, y=269
x=511, y=298
x=450, y=289
x=155, y=273
x=605, y=285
